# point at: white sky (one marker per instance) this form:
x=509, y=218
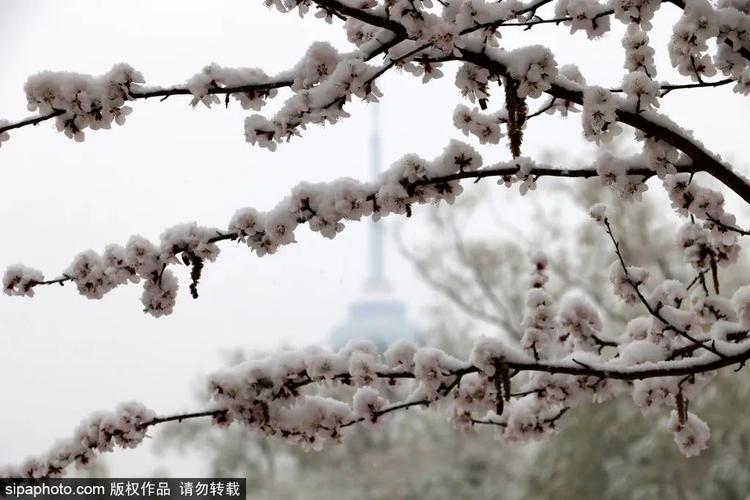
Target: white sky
x=62, y=356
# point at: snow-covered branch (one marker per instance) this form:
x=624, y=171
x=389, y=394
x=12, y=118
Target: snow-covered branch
x=605, y=109
x=268, y=395
x=323, y=207
x=419, y=41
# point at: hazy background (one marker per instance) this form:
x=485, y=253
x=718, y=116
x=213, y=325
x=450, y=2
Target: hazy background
x=63, y=356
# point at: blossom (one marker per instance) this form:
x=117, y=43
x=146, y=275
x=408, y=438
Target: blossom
x=584, y=15
x=159, y=295
x=472, y=81
x=85, y=101
x=691, y=435
x=636, y=12
x=534, y=67
x=626, y=283
x=368, y=404
x=641, y=89
x=125, y=427
x=639, y=55
x=599, y=114
x=598, y=212
x=20, y=280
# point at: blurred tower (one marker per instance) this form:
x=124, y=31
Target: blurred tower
x=377, y=315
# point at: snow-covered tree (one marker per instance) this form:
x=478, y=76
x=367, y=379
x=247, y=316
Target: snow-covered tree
x=686, y=331
x=609, y=447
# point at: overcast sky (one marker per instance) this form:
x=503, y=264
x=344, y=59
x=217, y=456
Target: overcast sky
x=62, y=356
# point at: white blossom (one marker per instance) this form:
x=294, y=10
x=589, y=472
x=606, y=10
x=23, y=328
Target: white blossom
x=159, y=295
x=600, y=114
x=691, y=436
x=20, y=280
x=626, y=285
x=534, y=67
x=585, y=15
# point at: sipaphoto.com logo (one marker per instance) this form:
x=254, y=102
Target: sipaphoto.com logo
x=22, y=489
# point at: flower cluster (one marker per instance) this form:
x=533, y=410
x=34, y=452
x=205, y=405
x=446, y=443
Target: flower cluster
x=524, y=174
x=659, y=155
x=639, y=12
x=359, y=33
x=472, y=81
x=20, y=280
x=691, y=435
x=267, y=395
x=626, y=282
x=534, y=68
x=213, y=77
x=642, y=91
x=721, y=238
x=613, y=172
x=83, y=101
x=540, y=321
x=79, y=101
x=689, y=42
x=584, y=15
x=101, y=432
x=639, y=55
x=600, y=114
x=484, y=126
x=733, y=19
x=340, y=80
x=580, y=324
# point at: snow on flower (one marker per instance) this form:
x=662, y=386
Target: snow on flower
x=600, y=114
x=431, y=367
x=638, y=12
x=125, y=427
x=472, y=81
x=484, y=126
x=688, y=45
x=691, y=435
x=598, y=212
x=580, y=323
x=639, y=55
x=159, y=296
x=368, y=403
x=400, y=355
x=585, y=15
x=534, y=68
x=20, y=280
x=626, y=283
x=85, y=101
x=540, y=320
x=641, y=90
x=488, y=352
x=641, y=351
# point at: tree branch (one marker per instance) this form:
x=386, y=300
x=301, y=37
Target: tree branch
x=641, y=121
